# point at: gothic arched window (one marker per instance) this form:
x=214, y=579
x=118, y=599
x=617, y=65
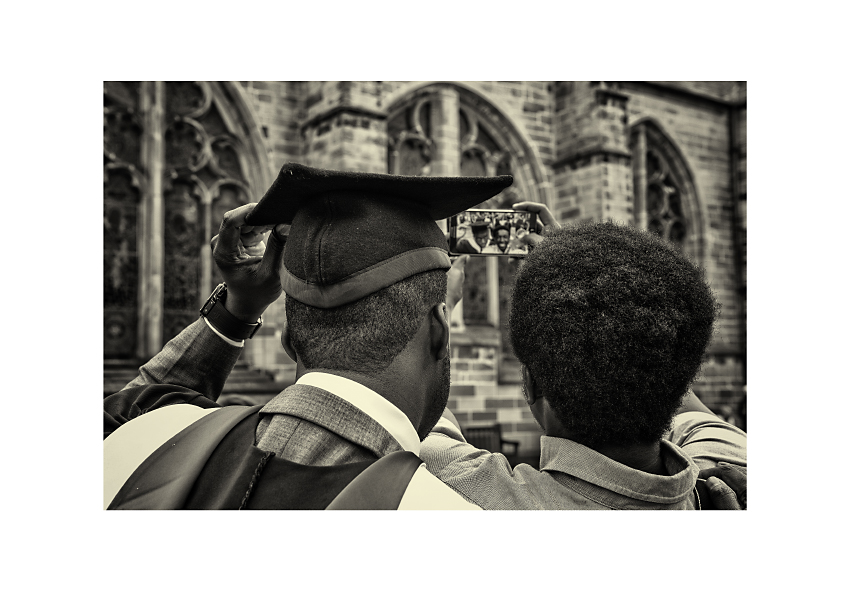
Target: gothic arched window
x=176, y=157
x=664, y=212
x=665, y=198
x=449, y=130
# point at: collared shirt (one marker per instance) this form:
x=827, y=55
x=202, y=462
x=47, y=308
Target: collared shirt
x=424, y=491
x=573, y=476
x=369, y=402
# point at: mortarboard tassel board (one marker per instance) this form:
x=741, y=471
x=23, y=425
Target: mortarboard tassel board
x=353, y=234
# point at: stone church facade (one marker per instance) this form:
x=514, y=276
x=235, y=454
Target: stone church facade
x=664, y=156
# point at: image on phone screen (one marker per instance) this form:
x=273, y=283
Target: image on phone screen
x=490, y=232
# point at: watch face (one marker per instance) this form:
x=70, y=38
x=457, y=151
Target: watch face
x=213, y=299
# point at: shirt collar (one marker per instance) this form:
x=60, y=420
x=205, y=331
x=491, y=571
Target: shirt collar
x=390, y=417
x=592, y=468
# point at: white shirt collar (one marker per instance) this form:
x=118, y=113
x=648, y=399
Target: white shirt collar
x=390, y=417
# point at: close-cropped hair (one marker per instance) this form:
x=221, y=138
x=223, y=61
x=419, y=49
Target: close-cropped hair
x=612, y=323
x=366, y=335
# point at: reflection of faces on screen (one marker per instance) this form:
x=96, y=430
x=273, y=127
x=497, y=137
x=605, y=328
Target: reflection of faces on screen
x=490, y=232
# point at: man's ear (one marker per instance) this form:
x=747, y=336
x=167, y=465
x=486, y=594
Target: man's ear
x=440, y=331
x=285, y=342
x=527, y=385
x=532, y=393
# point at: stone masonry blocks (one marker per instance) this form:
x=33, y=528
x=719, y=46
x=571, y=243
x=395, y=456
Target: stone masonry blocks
x=558, y=120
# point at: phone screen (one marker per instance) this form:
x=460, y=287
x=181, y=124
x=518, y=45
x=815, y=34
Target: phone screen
x=490, y=232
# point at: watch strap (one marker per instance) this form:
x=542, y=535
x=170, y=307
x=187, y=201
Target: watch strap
x=223, y=321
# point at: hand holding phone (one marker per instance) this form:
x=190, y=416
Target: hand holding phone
x=546, y=222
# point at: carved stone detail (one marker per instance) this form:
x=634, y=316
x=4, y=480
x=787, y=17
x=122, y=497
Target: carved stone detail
x=482, y=151
x=186, y=145
x=663, y=201
x=198, y=171
x=122, y=193
x=664, y=186
x=481, y=155
x=122, y=93
x=225, y=157
x=122, y=135
x=186, y=99
x=410, y=147
x=182, y=243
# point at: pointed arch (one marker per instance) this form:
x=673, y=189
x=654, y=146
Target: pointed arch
x=453, y=128
x=167, y=145
x=530, y=180
x=256, y=161
x=672, y=198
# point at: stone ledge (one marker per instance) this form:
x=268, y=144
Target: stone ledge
x=337, y=110
x=616, y=154
x=476, y=336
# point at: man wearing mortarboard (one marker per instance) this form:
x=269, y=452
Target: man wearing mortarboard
x=364, y=268
x=477, y=242
x=501, y=241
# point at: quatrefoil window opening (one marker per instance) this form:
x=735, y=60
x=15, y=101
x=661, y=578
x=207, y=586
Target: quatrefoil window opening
x=663, y=201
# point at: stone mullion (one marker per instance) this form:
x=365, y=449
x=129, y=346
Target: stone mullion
x=445, y=132
x=639, y=159
x=445, y=161
x=205, y=281
x=152, y=215
x=493, y=291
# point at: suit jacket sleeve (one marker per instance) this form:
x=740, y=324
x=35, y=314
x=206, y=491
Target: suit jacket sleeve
x=191, y=368
x=708, y=439
x=465, y=247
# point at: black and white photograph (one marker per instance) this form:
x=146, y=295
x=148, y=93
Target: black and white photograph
x=292, y=317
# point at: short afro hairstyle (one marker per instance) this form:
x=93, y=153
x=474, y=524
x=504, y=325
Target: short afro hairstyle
x=612, y=323
x=364, y=336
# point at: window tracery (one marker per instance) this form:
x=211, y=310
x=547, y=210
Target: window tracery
x=122, y=193
x=483, y=145
x=664, y=206
x=664, y=194
x=196, y=174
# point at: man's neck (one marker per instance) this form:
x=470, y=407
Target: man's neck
x=643, y=457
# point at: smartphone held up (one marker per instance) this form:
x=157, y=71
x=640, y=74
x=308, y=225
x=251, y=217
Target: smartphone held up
x=490, y=232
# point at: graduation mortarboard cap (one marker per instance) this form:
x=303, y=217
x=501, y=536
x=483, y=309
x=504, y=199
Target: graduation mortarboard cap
x=480, y=226
x=353, y=234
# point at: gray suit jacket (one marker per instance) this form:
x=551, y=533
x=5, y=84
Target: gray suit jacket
x=303, y=424
x=311, y=426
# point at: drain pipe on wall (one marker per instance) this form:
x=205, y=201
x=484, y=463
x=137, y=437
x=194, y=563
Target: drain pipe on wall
x=737, y=233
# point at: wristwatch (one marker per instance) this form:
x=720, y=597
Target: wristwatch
x=223, y=321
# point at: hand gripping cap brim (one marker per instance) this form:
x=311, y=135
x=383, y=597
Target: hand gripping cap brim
x=353, y=234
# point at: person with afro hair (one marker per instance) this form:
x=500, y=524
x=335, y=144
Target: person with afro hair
x=610, y=325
